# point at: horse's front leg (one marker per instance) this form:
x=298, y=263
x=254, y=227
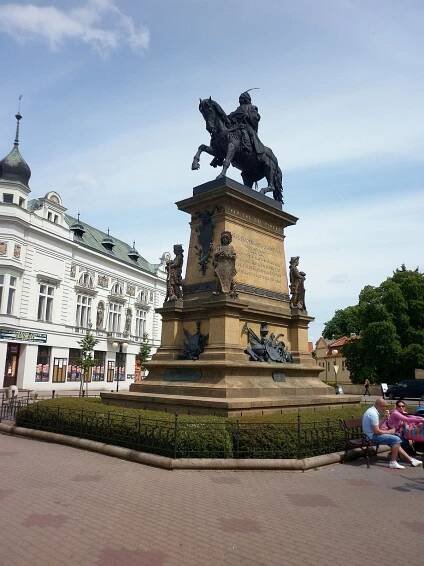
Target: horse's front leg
x=196, y=159
x=231, y=150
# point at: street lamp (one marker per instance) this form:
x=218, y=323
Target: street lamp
x=117, y=367
x=121, y=344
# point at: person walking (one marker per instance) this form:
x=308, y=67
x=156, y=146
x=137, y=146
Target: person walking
x=367, y=387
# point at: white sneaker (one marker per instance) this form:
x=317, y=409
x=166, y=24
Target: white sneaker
x=415, y=462
x=395, y=465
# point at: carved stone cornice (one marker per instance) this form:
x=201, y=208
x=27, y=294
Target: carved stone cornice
x=142, y=306
x=210, y=286
x=85, y=290
x=49, y=280
x=117, y=299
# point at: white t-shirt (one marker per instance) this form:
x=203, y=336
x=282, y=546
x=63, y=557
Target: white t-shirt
x=369, y=420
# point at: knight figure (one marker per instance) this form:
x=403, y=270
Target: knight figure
x=234, y=141
x=246, y=118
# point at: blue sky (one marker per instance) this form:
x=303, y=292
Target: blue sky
x=111, y=90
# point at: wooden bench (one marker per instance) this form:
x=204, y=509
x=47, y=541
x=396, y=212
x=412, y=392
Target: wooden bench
x=355, y=438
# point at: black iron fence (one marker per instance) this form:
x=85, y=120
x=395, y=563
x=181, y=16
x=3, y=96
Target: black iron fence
x=185, y=437
x=10, y=406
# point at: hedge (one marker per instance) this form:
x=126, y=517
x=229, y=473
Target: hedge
x=185, y=436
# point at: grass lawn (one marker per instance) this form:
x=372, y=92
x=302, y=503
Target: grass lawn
x=307, y=415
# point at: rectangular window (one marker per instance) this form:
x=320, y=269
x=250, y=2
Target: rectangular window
x=8, y=198
x=11, y=295
x=59, y=370
x=140, y=323
x=45, y=302
x=83, y=315
x=114, y=322
x=110, y=371
x=74, y=365
x=21, y=202
x=49, y=216
x=98, y=370
x=43, y=364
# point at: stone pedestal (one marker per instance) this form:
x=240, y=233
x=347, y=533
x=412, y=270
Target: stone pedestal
x=223, y=380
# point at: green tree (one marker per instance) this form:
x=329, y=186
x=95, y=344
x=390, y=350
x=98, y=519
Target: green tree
x=344, y=322
x=145, y=349
x=87, y=346
x=390, y=321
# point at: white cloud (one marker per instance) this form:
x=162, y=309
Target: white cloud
x=99, y=23
x=344, y=247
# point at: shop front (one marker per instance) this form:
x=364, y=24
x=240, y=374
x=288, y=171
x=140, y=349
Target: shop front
x=13, y=346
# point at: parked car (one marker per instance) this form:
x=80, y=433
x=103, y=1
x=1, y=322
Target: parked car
x=409, y=389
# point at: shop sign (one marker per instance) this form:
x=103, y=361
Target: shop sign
x=22, y=336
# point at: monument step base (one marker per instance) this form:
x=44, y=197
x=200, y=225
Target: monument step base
x=235, y=407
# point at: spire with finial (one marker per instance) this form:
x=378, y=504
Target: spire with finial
x=18, y=117
x=14, y=167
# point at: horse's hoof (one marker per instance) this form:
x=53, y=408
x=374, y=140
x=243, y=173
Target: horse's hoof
x=266, y=190
x=195, y=165
x=220, y=176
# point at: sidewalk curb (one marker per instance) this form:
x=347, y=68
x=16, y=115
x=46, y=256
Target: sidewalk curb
x=183, y=463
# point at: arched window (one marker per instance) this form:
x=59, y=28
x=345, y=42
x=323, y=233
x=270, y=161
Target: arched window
x=117, y=289
x=86, y=280
x=142, y=296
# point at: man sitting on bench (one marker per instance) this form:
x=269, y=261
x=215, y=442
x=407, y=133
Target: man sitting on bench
x=371, y=428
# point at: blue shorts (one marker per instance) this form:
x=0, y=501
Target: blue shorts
x=389, y=439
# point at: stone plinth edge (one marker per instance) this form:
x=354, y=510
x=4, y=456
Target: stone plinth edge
x=185, y=463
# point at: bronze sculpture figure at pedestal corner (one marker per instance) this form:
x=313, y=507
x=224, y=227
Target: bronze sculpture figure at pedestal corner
x=204, y=230
x=235, y=141
x=297, y=285
x=194, y=344
x=174, y=281
x=224, y=263
x=264, y=349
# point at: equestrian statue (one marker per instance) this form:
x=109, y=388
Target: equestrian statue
x=235, y=141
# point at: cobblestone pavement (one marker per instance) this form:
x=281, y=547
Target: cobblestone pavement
x=63, y=506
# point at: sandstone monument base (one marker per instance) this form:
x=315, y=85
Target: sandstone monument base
x=223, y=381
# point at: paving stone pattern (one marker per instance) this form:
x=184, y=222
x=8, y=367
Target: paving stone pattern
x=64, y=506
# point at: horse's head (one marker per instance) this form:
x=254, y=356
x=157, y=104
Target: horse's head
x=214, y=116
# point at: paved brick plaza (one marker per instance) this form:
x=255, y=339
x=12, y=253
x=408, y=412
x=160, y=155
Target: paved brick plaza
x=60, y=506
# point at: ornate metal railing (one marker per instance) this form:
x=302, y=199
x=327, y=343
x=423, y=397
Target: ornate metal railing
x=186, y=437
x=10, y=407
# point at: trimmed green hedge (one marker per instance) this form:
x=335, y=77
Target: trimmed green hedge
x=174, y=437
x=183, y=436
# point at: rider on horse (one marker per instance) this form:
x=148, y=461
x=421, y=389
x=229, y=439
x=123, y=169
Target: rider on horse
x=246, y=119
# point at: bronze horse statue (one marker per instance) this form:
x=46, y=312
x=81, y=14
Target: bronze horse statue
x=230, y=145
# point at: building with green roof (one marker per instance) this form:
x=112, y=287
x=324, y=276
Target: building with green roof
x=61, y=277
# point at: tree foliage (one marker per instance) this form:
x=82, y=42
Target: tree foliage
x=344, y=322
x=87, y=346
x=390, y=321
x=145, y=348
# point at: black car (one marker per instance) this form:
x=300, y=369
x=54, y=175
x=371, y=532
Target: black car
x=410, y=389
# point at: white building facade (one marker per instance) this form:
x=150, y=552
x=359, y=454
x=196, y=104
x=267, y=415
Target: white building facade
x=58, y=278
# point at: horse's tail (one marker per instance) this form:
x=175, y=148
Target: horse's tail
x=278, y=184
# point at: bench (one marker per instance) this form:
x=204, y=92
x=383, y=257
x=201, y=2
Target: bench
x=355, y=438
